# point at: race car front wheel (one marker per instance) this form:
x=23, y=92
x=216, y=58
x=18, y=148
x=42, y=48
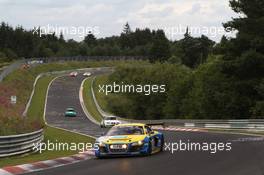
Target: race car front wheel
x=161, y=144
x=149, y=148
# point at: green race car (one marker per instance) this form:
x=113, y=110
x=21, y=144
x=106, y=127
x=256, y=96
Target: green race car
x=70, y=112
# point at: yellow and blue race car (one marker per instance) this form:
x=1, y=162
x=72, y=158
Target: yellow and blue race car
x=129, y=139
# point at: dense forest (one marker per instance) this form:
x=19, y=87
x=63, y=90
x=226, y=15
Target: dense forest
x=204, y=79
x=16, y=43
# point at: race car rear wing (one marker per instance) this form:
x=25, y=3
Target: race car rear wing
x=156, y=124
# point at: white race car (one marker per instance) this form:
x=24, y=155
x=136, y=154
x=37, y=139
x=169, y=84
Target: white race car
x=87, y=74
x=109, y=122
x=73, y=74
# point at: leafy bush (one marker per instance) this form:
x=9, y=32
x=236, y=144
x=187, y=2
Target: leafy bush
x=139, y=105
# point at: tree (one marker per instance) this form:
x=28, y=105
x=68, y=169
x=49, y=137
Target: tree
x=45, y=52
x=192, y=51
x=10, y=54
x=206, y=47
x=127, y=30
x=90, y=39
x=125, y=38
x=84, y=49
x=244, y=58
x=258, y=109
x=250, y=27
x=220, y=48
x=61, y=38
x=160, y=50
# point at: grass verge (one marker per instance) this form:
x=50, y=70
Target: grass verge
x=101, y=97
x=89, y=102
x=38, y=100
x=52, y=135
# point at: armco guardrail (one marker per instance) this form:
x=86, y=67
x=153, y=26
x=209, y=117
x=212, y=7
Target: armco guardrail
x=92, y=58
x=221, y=124
x=228, y=124
x=20, y=144
x=217, y=124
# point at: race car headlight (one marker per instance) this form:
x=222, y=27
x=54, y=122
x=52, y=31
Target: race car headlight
x=139, y=143
x=124, y=146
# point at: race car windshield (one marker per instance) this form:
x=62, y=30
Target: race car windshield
x=111, y=118
x=70, y=110
x=125, y=130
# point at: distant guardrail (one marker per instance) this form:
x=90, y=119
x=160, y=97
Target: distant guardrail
x=217, y=124
x=92, y=58
x=213, y=124
x=20, y=144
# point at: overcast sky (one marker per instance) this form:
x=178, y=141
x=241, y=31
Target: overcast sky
x=107, y=17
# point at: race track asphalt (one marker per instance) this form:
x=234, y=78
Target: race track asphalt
x=64, y=93
x=245, y=158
